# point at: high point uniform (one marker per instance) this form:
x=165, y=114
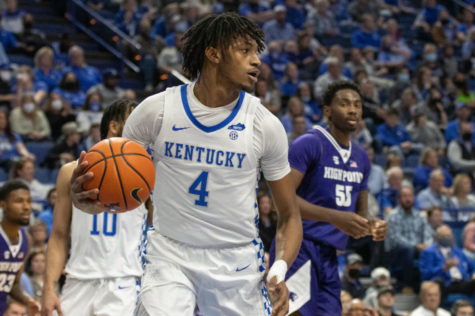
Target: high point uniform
x=11, y=260
x=105, y=264
x=333, y=177
x=205, y=249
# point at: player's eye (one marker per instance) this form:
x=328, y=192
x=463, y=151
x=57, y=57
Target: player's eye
x=245, y=50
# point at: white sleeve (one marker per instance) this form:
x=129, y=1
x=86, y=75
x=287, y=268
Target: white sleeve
x=271, y=145
x=143, y=124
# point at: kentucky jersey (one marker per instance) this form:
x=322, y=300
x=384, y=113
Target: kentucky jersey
x=333, y=178
x=12, y=257
x=206, y=174
x=106, y=245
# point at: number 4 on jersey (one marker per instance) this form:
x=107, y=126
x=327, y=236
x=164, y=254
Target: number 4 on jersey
x=198, y=187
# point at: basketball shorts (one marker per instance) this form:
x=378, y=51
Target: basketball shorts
x=313, y=281
x=100, y=297
x=221, y=281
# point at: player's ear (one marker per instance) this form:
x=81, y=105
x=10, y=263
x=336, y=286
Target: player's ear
x=326, y=111
x=213, y=54
x=114, y=128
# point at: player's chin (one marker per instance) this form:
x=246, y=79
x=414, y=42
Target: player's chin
x=248, y=87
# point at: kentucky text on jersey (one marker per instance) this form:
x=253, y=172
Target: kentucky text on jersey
x=7, y=266
x=343, y=175
x=204, y=155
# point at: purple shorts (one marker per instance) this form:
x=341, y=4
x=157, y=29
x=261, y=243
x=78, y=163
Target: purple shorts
x=313, y=281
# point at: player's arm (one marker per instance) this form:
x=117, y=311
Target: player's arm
x=287, y=241
x=377, y=228
x=18, y=294
x=350, y=223
x=149, y=207
x=58, y=243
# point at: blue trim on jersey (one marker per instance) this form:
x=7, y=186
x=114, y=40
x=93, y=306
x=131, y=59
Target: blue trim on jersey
x=209, y=129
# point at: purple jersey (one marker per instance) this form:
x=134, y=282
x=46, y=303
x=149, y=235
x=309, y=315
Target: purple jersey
x=333, y=177
x=12, y=257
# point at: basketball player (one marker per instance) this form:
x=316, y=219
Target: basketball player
x=210, y=139
x=15, y=200
x=104, y=264
x=331, y=175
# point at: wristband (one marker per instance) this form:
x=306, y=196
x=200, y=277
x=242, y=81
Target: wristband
x=278, y=269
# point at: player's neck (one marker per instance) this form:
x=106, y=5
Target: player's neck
x=341, y=137
x=209, y=91
x=11, y=230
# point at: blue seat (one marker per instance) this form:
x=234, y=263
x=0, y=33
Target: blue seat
x=53, y=175
x=39, y=149
x=42, y=175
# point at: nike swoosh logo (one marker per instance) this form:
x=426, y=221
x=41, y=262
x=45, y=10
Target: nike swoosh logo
x=135, y=194
x=240, y=269
x=178, y=128
x=123, y=287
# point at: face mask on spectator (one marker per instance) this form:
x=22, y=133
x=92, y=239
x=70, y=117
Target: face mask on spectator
x=467, y=137
x=29, y=107
x=403, y=77
x=95, y=106
x=446, y=242
x=57, y=105
x=354, y=273
x=431, y=57
x=6, y=75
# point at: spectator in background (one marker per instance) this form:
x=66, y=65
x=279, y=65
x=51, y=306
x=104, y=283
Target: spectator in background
x=444, y=30
x=278, y=29
x=8, y=40
x=67, y=147
x=367, y=34
x=357, y=62
x=256, y=11
x=362, y=136
x=44, y=70
x=380, y=278
x=428, y=16
x=430, y=300
x=15, y=308
x=25, y=83
x=290, y=81
x=70, y=91
x=357, y=308
x=267, y=220
x=462, y=198
x=11, y=145
x=299, y=127
x=435, y=218
x=434, y=108
x=7, y=97
x=93, y=136
x=435, y=193
x=29, y=121
x=406, y=105
x=422, y=83
x=335, y=51
x=333, y=75
x=323, y=20
x=358, y=8
x=450, y=61
x=446, y=264
x=468, y=239
x=31, y=40
x=47, y=215
x=391, y=55
x=87, y=76
x=269, y=97
x=128, y=18
x=165, y=22
x=461, y=151
x=294, y=108
x=425, y=132
x=464, y=27
x=462, y=308
x=388, y=196
x=275, y=59
x=12, y=17
x=428, y=162
x=409, y=234
x=170, y=58
x=393, y=135
x=35, y=268
x=350, y=281
x=311, y=109
x=386, y=299
x=91, y=112
x=39, y=234
x=109, y=89
x=463, y=93
x=61, y=50
x=393, y=160
x=462, y=114
x=377, y=179
x=24, y=171
x=58, y=113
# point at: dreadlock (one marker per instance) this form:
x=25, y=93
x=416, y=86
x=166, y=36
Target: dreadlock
x=219, y=31
x=116, y=111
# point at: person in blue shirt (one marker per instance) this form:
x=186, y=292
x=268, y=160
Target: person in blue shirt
x=128, y=18
x=446, y=264
x=70, y=92
x=367, y=34
x=462, y=114
x=311, y=109
x=88, y=76
x=255, y=11
x=276, y=60
x=44, y=71
x=428, y=162
x=290, y=81
x=47, y=215
x=463, y=28
x=279, y=29
x=393, y=135
x=12, y=17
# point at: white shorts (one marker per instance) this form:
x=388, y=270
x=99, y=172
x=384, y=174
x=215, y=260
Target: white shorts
x=220, y=281
x=99, y=297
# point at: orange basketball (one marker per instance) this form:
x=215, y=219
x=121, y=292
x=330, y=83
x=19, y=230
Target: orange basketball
x=123, y=173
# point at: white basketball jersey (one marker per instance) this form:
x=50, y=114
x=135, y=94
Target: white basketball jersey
x=206, y=176
x=106, y=245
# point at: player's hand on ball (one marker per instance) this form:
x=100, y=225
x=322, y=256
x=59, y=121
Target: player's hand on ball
x=81, y=198
x=379, y=229
x=351, y=224
x=279, y=297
